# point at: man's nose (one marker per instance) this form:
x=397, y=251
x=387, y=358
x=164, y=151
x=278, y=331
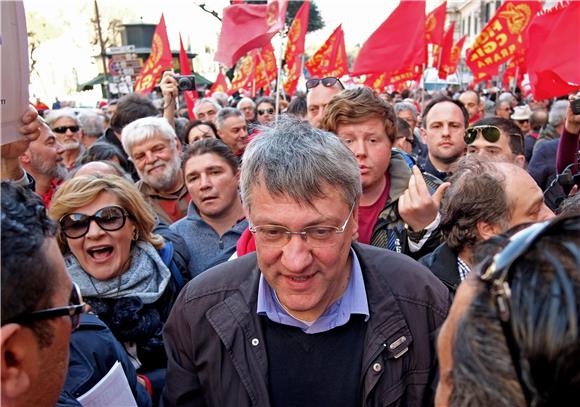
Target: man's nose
x=296, y=254
x=359, y=148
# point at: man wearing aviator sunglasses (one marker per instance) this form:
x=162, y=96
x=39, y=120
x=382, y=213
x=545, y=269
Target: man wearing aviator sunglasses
x=40, y=305
x=320, y=91
x=496, y=139
x=66, y=127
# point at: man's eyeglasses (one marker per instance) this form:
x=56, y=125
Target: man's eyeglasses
x=73, y=310
x=263, y=112
x=315, y=236
x=63, y=129
x=490, y=133
x=109, y=218
x=327, y=82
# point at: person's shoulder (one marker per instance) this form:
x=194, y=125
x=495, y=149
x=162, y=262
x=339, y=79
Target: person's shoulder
x=403, y=276
x=223, y=278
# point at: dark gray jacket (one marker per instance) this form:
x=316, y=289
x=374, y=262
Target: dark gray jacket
x=215, y=343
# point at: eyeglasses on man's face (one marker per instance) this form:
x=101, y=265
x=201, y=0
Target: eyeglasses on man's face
x=63, y=129
x=327, y=82
x=315, y=236
x=73, y=310
x=109, y=218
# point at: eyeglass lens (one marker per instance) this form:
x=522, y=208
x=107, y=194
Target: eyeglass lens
x=490, y=133
x=63, y=129
x=76, y=225
x=263, y=112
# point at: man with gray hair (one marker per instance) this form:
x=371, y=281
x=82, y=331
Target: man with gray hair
x=92, y=127
x=248, y=107
x=310, y=308
x=66, y=127
x=155, y=150
x=232, y=129
x=206, y=109
x=408, y=112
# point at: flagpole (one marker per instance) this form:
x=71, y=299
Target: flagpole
x=278, y=79
x=516, y=78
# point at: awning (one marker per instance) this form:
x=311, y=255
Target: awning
x=100, y=79
x=97, y=80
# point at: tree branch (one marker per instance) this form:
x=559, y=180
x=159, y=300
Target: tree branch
x=212, y=12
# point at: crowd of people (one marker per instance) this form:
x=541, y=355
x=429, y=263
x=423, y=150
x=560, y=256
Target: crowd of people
x=342, y=248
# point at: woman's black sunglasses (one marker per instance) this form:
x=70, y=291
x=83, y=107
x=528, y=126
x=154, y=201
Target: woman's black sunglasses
x=327, y=82
x=109, y=218
x=73, y=310
x=263, y=112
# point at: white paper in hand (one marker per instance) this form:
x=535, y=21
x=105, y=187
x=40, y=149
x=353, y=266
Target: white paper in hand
x=112, y=390
x=14, y=72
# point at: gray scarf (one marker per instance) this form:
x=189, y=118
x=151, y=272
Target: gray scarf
x=146, y=278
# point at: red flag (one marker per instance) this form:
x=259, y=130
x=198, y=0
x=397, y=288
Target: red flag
x=330, y=59
x=387, y=50
x=220, y=84
x=190, y=95
x=245, y=74
x=379, y=82
x=295, y=48
x=159, y=60
x=501, y=37
x=266, y=67
x=552, y=59
x=446, y=48
x=246, y=27
x=455, y=56
x=435, y=25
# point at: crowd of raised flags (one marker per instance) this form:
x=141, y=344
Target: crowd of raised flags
x=520, y=36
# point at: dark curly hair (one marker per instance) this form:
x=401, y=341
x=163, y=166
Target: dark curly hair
x=28, y=282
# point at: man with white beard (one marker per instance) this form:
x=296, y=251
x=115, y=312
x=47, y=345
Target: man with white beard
x=43, y=161
x=67, y=128
x=155, y=150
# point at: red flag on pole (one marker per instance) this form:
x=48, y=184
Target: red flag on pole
x=190, y=95
x=159, y=60
x=501, y=37
x=220, y=84
x=446, y=48
x=246, y=27
x=266, y=67
x=330, y=59
x=387, y=50
x=435, y=24
x=552, y=59
x=295, y=48
x=245, y=74
x=455, y=56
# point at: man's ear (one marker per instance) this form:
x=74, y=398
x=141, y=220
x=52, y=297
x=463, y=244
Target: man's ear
x=179, y=146
x=25, y=158
x=423, y=133
x=487, y=230
x=520, y=161
x=19, y=353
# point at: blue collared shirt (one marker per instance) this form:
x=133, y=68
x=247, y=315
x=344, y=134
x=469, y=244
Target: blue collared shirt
x=353, y=301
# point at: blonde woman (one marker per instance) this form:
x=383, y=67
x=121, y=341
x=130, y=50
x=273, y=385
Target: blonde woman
x=124, y=270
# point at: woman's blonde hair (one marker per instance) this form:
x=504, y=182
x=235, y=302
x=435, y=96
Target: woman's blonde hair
x=80, y=191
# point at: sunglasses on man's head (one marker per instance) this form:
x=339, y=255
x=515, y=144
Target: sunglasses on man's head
x=109, y=218
x=327, y=82
x=263, y=112
x=63, y=129
x=73, y=310
x=490, y=133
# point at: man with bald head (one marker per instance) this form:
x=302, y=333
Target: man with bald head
x=485, y=199
x=320, y=91
x=472, y=103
